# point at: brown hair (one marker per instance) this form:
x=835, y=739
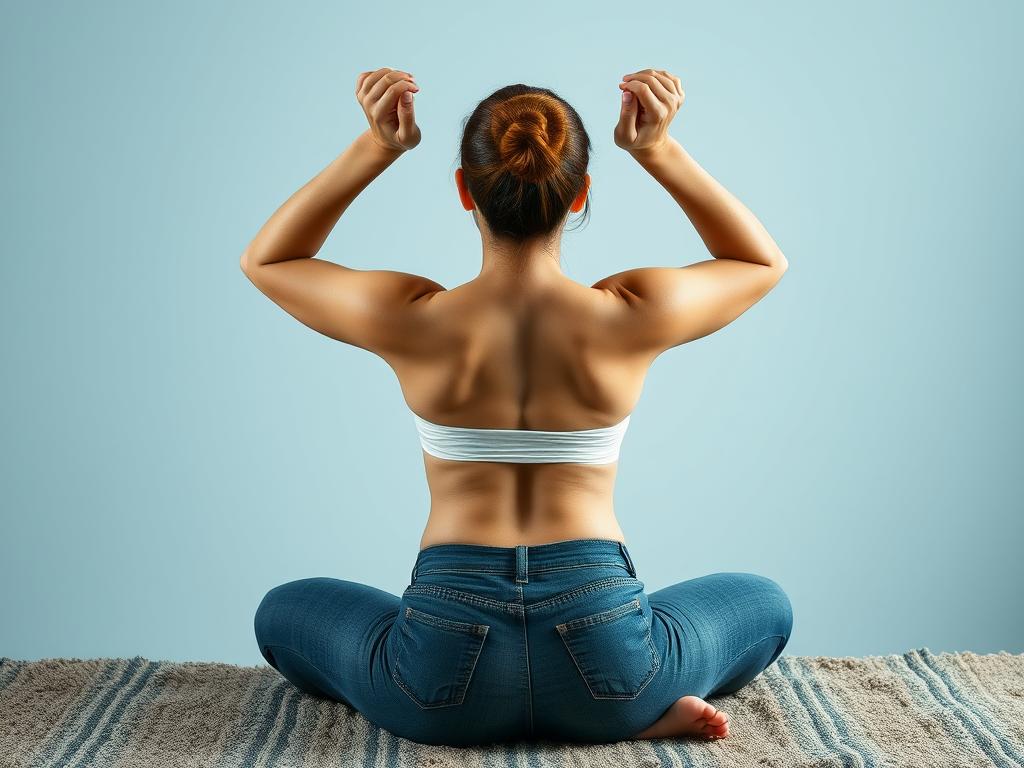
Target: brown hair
x=524, y=159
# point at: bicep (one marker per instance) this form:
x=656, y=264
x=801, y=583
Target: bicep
x=669, y=306
x=371, y=309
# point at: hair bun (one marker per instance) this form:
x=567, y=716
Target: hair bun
x=530, y=131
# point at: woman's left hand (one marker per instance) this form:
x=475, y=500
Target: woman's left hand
x=382, y=95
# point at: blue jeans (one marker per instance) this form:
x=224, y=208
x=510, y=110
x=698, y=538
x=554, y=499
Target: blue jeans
x=495, y=644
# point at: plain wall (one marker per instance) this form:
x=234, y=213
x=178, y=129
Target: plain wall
x=174, y=444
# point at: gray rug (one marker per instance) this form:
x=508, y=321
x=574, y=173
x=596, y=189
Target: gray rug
x=915, y=709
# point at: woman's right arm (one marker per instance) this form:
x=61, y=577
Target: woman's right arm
x=679, y=304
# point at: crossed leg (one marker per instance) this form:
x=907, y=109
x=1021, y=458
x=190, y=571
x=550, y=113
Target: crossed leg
x=325, y=635
x=729, y=627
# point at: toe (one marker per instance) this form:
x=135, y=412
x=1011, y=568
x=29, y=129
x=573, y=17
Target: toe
x=718, y=718
x=707, y=712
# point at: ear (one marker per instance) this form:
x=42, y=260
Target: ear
x=581, y=198
x=460, y=182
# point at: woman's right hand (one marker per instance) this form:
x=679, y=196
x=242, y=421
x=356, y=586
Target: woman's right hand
x=650, y=99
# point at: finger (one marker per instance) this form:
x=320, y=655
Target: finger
x=391, y=99
x=406, y=115
x=359, y=80
x=671, y=81
x=676, y=82
x=656, y=85
x=642, y=92
x=627, y=115
x=670, y=84
x=370, y=79
x=383, y=83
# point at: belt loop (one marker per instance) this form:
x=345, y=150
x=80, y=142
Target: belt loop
x=522, y=572
x=412, y=578
x=628, y=559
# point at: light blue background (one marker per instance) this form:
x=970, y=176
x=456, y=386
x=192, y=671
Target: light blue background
x=174, y=444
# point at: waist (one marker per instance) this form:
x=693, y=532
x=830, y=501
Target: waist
x=503, y=508
x=519, y=562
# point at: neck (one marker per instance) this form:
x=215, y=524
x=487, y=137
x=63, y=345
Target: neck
x=529, y=261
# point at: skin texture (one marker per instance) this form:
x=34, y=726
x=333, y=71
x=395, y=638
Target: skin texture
x=521, y=346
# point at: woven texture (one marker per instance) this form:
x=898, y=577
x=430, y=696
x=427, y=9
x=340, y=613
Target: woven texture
x=913, y=709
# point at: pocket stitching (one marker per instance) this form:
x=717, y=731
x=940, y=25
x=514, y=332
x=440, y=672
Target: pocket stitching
x=572, y=594
x=599, y=618
x=450, y=624
x=462, y=597
x=655, y=661
x=461, y=684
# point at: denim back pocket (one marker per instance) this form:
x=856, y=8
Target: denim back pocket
x=613, y=650
x=436, y=657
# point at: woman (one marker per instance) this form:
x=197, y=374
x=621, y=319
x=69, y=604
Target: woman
x=524, y=617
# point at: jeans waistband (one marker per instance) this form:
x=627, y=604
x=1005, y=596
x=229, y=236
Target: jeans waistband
x=522, y=560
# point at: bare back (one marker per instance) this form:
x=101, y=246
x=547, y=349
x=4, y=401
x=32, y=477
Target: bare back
x=527, y=349
x=547, y=357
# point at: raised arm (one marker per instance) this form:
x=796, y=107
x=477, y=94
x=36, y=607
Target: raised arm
x=668, y=306
x=375, y=308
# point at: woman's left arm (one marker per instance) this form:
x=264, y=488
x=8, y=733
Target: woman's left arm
x=372, y=309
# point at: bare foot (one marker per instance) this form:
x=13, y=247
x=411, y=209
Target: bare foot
x=689, y=716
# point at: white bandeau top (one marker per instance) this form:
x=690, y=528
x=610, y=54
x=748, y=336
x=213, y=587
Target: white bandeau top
x=522, y=446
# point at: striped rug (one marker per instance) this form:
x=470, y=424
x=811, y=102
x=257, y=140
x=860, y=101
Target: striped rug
x=915, y=709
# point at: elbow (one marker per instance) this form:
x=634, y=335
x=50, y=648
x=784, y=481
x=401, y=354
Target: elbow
x=248, y=262
x=778, y=261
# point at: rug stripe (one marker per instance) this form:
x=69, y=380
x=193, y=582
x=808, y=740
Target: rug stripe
x=81, y=707
x=307, y=721
x=683, y=752
x=985, y=738
x=826, y=728
x=393, y=747
x=385, y=747
x=972, y=681
x=276, y=727
x=100, y=713
x=960, y=738
x=254, y=692
x=402, y=750
x=9, y=671
x=254, y=701
x=667, y=758
x=992, y=724
x=923, y=689
x=271, y=711
x=287, y=728
x=118, y=712
x=360, y=733
x=533, y=759
x=810, y=741
x=372, y=749
x=975, y=724
x=381, y=740
x=817, y=688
